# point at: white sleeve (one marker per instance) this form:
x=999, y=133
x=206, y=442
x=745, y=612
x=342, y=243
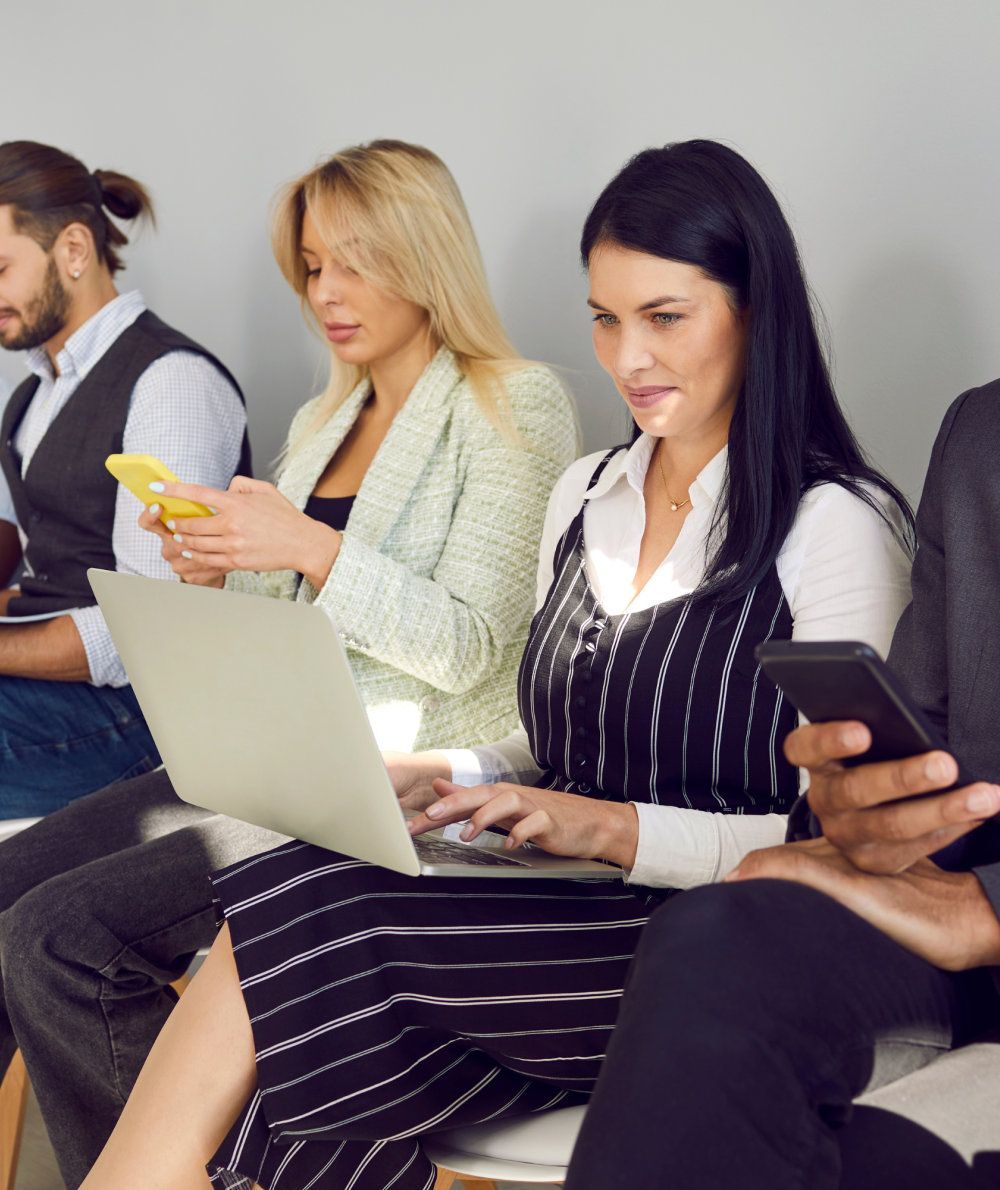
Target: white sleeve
x=845, y=576
x=187, y=414
x=486, y=764
x=680, y=848
x=7, y=512
x=843, y=570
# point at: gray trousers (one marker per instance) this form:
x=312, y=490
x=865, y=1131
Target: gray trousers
x=102, y=905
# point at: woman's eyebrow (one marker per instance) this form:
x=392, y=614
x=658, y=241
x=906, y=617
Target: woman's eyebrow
x=661, y=301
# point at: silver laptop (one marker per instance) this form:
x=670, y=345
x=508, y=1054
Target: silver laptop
x=254, y=708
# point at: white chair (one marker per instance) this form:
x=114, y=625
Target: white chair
x=533, y=1148
x=11, y=826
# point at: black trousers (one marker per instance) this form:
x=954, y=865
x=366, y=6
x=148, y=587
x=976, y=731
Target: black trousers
x=754, y=1014
x=102, y=905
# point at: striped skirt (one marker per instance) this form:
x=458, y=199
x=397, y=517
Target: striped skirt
x=385, y=1006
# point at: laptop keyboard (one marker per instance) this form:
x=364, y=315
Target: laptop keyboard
x=441, y=851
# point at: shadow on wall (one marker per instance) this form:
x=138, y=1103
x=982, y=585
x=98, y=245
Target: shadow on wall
x=542, y=298
x=284, y=364
x=908, y=343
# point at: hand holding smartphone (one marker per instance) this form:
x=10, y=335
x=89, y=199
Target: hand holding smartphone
x=846, y=680
x=137, y=472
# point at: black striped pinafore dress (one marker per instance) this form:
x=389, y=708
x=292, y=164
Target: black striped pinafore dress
x=384, y=1007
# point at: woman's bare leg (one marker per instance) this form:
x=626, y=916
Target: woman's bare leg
x=196, y=1080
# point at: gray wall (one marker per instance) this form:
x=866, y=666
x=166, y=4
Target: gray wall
x=875, y=121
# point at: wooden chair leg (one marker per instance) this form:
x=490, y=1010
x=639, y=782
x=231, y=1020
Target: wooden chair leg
x=442, y=1182
x=13, y=1105
x=477, y=1183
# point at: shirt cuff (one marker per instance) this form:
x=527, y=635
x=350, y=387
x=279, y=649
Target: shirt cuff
x=105, y=665
x=465, y=766
x=680, y=848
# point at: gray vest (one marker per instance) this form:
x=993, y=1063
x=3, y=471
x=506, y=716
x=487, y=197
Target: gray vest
x=66, y=501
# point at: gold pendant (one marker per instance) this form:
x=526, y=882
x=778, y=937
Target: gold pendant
x=673, y=506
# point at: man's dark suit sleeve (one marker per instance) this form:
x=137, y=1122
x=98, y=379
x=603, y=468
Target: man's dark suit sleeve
x=920, y=650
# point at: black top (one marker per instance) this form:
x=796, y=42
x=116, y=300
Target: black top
x=664, y=705
x=66, y=500
x=331, y=510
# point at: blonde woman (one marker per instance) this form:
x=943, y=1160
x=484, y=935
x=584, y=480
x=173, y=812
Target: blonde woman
x=410, y=505
x=413, y=490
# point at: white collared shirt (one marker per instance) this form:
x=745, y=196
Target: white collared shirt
x=182, y=410
x=7, y=512
x=845, y=577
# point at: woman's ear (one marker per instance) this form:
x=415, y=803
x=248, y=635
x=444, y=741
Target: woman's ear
x=75, y=252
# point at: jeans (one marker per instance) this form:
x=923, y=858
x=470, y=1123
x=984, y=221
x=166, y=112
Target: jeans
x=61, y=740
x=102, y=905
x=754, y=1015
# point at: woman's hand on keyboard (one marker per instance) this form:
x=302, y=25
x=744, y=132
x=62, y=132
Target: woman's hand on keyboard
x=413, y=775
x=561, y=823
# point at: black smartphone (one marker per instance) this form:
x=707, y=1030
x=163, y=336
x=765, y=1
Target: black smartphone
x=833, y=680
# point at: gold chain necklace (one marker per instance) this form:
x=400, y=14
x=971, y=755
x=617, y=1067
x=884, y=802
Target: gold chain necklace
x=674, y=505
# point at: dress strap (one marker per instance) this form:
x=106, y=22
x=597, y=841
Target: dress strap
x=599, y=470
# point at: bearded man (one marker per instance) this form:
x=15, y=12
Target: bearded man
x=108, y=377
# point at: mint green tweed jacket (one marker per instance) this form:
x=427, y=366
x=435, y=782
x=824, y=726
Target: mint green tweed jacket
x=433, y=588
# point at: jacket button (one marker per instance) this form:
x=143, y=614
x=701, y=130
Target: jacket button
x=429, y=704
x=581, y=701
x=42, y=578
x=580, y=758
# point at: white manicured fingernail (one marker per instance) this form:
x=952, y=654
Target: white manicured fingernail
x=156, y=487
x=154, y=509
x=177, y=537
x=213, y=511
x=170, y=525
x=186, y=554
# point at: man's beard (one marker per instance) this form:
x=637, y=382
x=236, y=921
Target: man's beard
x=44, y=315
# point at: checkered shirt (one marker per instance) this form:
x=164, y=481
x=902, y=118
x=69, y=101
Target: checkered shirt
x=183, y=411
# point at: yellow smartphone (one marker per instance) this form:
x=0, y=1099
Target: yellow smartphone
x=137, y=472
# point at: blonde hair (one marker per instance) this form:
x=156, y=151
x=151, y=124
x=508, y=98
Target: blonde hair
x=393, y=213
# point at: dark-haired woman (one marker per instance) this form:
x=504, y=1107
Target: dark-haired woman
x=106, y=376
x=345, y=1010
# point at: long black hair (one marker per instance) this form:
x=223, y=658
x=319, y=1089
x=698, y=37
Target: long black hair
x=700, y=203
